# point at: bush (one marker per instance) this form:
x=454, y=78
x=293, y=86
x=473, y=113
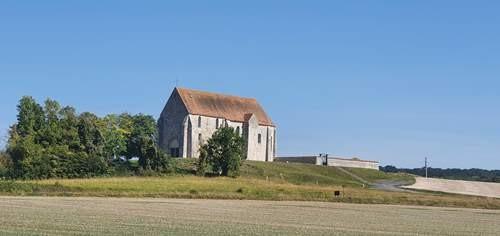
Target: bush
x=181, y=166
x=120, y=167
x=63, y=165
x=223, y=153
x=5, y=165
x=40, y=167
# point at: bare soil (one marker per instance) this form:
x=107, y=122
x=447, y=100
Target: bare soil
x=126, y=216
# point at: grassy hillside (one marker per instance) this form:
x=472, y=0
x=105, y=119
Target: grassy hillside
x=304, y=174
x=259, y=181
x=377, y=176
x=301, y=174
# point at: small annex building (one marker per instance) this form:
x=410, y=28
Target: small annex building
x=191, y=117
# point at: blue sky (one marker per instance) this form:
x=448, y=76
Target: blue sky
x=393, y=81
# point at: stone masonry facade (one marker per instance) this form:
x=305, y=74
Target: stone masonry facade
x=191, y=117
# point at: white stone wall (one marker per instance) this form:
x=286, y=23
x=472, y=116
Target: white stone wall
x=332, y=161
x=353, y=163
x=266, y=149
x=207, y=129
x=255, y=151
x=258, y=151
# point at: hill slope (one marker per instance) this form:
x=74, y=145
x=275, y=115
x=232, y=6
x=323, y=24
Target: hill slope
x=258, y=181
x=305, y=174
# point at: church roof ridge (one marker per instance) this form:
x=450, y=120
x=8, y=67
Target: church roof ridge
x=213, y=93
x=230, y=107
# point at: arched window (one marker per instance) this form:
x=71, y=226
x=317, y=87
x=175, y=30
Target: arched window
x=199, y=122
x=260, y=138
x=217, y=123
x=238, y=130
x=200, y=141
x=174, y=148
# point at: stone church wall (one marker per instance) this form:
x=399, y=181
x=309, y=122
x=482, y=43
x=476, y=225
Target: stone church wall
x=171, y=125
x=207, y=127
x=205, y=130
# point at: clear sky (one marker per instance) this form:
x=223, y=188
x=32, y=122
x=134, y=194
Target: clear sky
x=393, y=81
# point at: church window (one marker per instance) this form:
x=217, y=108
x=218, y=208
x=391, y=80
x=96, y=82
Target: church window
x=199, y=139
x=199, y=122
x=238, y=130
x=174, y=148
x=217, y=123
x=260, y=138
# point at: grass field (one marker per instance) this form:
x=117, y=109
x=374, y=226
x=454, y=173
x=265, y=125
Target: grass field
x=259, y=181
x=125, y=216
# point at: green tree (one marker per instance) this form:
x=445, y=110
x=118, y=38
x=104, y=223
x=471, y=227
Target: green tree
x=91, y=139
x=51, y=133
x=223, y=152
x=23, y=153
x=23, y=144
x=5, y=164
x=142, y=142
x=68, y=123
x=54, y=141
x=30, y=118
x=115, y=138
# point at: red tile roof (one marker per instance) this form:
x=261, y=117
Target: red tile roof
x=229, y=107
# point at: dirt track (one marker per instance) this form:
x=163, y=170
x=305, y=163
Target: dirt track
x=112, y=216
x=457, y=186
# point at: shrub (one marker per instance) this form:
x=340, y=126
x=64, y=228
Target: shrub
x=121, y=167
x=223, y=153
x=60, y=164
x=5, y=165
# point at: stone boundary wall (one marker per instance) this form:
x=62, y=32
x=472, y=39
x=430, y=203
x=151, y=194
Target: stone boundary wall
x=353, y=163
x=332, y=161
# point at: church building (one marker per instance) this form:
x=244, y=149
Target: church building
x=191, y=117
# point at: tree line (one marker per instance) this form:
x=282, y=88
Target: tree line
x=454, y=174
x=52, y=141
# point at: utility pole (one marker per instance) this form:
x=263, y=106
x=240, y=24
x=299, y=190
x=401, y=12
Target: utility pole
x=426, y=167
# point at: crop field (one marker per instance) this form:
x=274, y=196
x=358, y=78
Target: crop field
x=129, y=216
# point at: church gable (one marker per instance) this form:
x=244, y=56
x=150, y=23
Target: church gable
x=175, y=104
x=170, y=125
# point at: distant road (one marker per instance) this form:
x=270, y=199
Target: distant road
x=457, y=186
x=126, y=216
